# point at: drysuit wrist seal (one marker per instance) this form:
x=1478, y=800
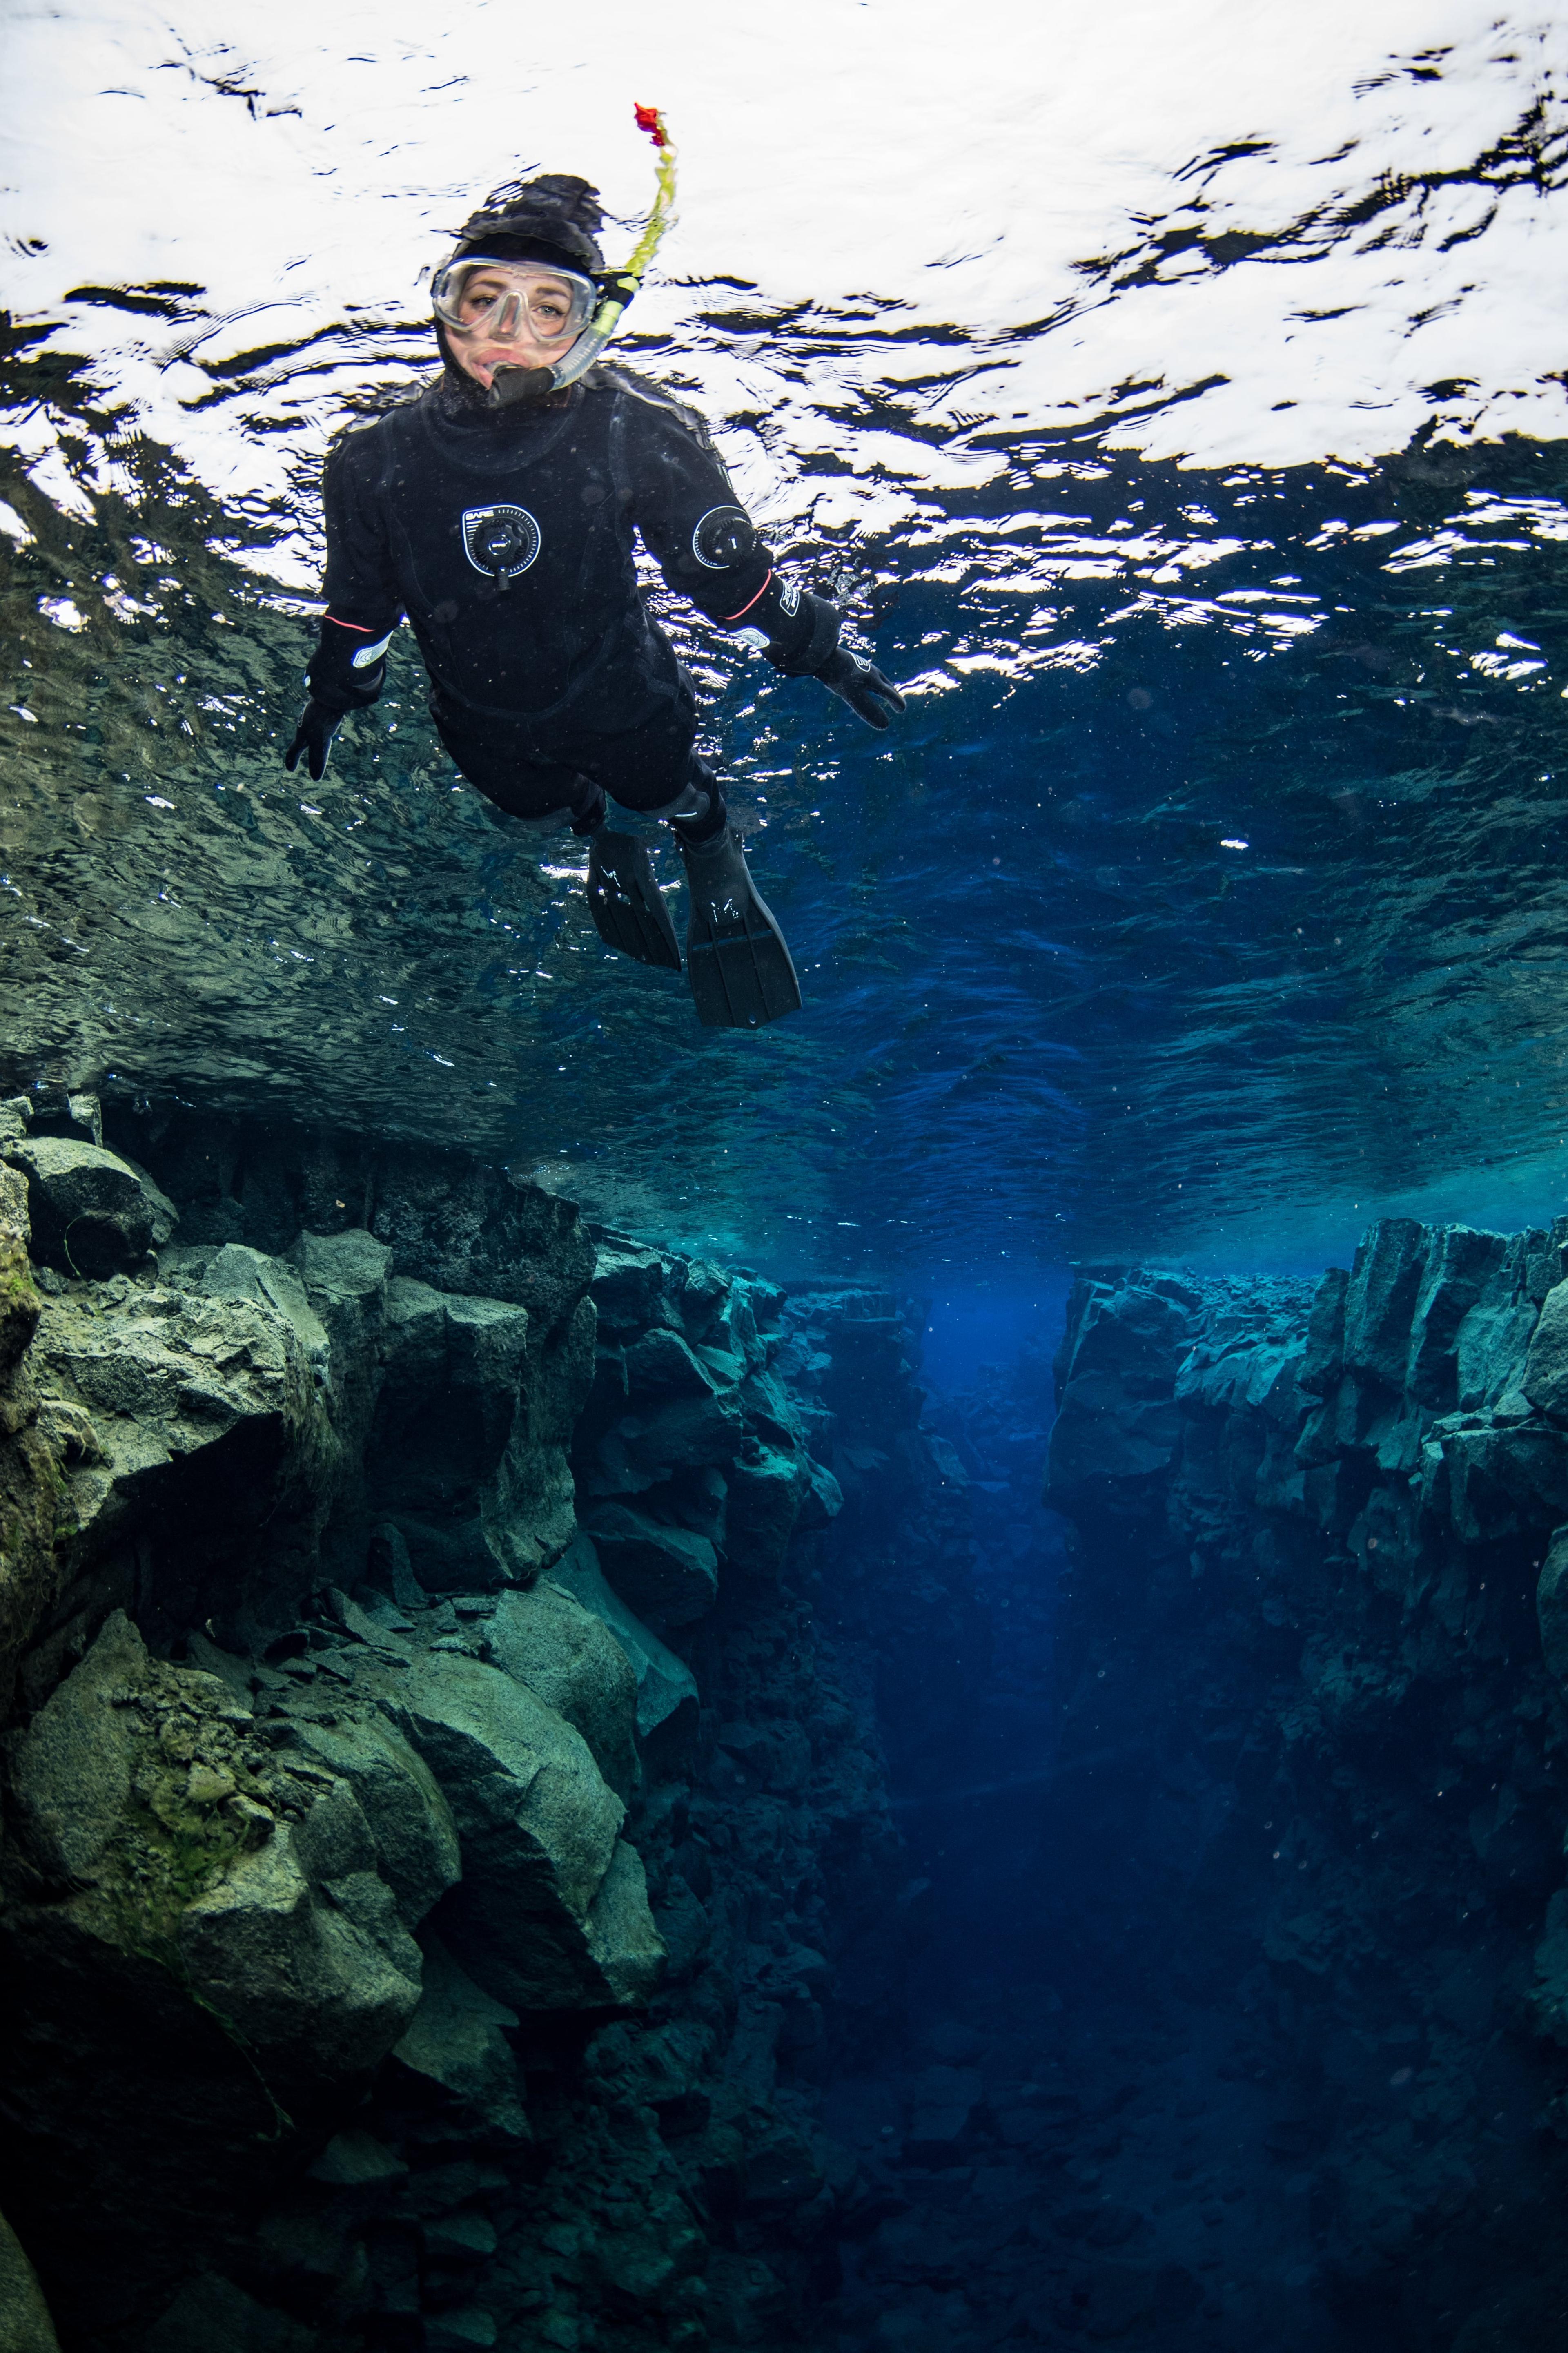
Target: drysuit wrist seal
x=811, y=640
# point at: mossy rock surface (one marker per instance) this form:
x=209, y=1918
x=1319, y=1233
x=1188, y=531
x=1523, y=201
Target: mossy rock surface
x=149, y=1816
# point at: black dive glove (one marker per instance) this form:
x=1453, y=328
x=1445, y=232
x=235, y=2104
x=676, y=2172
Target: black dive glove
x=346, y=673
x=871, y=696
x=313, y=739
x=802, y=633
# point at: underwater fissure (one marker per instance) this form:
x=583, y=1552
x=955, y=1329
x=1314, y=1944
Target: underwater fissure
x=557, y=1795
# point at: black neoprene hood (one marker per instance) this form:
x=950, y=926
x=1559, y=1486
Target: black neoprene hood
x=554, y=219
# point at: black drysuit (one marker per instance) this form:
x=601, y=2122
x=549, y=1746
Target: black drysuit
x=507, y=537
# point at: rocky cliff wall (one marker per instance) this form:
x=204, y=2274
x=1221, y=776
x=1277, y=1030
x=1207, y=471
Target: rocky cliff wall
x=1309, y=1683
x=433, y=1814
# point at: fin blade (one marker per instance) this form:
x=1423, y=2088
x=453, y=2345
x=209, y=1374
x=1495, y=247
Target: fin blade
x=742, y=974
x=625, y=902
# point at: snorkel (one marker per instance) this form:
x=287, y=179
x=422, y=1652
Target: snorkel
x=512, y=385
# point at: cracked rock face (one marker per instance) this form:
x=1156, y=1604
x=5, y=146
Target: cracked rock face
x=148, y=1817
x=403, y=1940
x=538, y=1824
x=1313, y=1643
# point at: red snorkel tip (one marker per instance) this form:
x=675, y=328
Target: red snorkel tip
x=650, y=119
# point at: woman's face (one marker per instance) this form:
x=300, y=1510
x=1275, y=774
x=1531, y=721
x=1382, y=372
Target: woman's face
x=539, y=321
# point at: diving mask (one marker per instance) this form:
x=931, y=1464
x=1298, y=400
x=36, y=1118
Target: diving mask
x=502, y=300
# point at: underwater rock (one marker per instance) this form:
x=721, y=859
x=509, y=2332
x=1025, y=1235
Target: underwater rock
x=1458, y=1271
x=767, y=1489
x=630, y=1279
x=1430, y=1315
x=1322, y=1360
x=456, y=2039
x=138, y=1821
x=942, y=2103
x=237, y=1273
x=157, y=1401
x=1551, y=1607
x=92, y=1215
x=70, y=1778
x=19, y=1303
x=622, y=1937
x=468, y=1228
x=1308, y=1691
x=468, y=1443
x=571, y=1660
x=1116, y=1429
x=666, y=1686
x=348, y=1268
x=665, y=1573
x=24, y=2323
x=389, y=1570
x=1380, y=1300
x=662, y=1361
x=539, y=1918
x=1545, y=1379
x=299, y=1947
x=410, y=1823
x=312, y=1460
x=210, y=2312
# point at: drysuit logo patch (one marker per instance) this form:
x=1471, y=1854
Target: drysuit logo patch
x=501, y=541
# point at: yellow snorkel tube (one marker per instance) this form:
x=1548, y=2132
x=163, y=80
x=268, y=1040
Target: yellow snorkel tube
x=514, y=385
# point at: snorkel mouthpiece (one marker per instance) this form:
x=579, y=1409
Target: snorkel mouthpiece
x=510, y=387
x=513, y=387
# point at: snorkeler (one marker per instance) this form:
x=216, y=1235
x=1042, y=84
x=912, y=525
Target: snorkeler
x=499, y=510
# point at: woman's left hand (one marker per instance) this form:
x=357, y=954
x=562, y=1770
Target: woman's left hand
x=871, y=696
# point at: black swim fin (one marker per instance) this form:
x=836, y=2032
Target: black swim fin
x=625, y=903
x=741, y=972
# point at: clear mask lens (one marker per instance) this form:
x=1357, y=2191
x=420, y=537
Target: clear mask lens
x=505, y=302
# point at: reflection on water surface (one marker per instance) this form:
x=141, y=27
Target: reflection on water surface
x=1208, y=895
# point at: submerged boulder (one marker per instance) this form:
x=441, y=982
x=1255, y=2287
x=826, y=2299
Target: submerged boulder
x=1380, y=1298
x=767, y=1487
x=552, y=1913
x=165, y=1399
x=1118, y=1426
x=1545, y=1376
x=299, y=1949
x=1551, y=1607
x=1548, y=1997
x=19, y=1300
x=70, y=1781
x=457, y=2040
x=237, y=1273
x=666, y=1686
x=1460, y=1266
x=409, y=1820
x=92, y=1214
x=24, y=2323
x=666, y=1572
x=466, y=1446
x=570, y=1659
x=144, y=1820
